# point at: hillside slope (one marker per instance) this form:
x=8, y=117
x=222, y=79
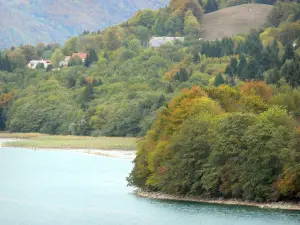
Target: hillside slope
x=33, y=21
x=234, y=20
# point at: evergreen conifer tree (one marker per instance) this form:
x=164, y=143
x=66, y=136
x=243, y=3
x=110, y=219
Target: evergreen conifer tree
x=241, y=66
x=170, y=89
x=91, y=57
x=211, y=5
x=182, y=75
x=196, y=58
x=288, y=53
x=219, y=80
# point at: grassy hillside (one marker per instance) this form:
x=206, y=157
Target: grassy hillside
x=234, y=20
x=30, y=22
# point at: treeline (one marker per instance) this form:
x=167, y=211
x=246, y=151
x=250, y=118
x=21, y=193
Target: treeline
x=223, y=142
x=19, y=57
x=116, y=91
x=270, y=55
x=265, y=63
x=123, y=83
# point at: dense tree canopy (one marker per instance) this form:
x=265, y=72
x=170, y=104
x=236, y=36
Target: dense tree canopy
x=123, y=83
x=200, y=146
x=220, y=118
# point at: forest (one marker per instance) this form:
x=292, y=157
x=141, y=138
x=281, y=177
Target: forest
x=123, y=83
x=218, y=118
x=230, y=142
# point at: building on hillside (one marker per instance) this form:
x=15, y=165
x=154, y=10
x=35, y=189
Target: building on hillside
x=65, y=62
x=159, y=41
x=81, y=55
x=33, y=63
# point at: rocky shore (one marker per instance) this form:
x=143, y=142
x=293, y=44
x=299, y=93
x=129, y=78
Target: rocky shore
x=269, y=205
x=113, y=153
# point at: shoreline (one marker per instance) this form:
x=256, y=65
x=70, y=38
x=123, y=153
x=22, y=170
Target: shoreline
x=7, y=140
x=112, y=153
x=270, y=205
x=35, y=140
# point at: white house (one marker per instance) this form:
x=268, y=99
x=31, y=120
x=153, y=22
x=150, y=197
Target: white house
x=159, y=41
x=33, y=63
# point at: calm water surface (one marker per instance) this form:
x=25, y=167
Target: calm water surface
x=72, y=188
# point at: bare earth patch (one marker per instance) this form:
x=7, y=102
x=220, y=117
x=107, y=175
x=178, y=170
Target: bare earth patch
x=234, y=20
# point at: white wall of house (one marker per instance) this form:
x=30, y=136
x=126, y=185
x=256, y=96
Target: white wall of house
x=33, y=64
x=159, y=41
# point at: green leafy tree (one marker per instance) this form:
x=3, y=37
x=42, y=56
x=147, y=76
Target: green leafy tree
x=75, y=61
x=175, y=24
x=30, y=52
x=135, y=45
x=56, y=58
x=143, y=35
x=71, y=46
x=159, y=25
x=17, y=59
x=191, y=25
x=111, y=40
x=145, y=18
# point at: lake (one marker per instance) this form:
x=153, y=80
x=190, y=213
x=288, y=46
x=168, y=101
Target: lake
x=73, y=188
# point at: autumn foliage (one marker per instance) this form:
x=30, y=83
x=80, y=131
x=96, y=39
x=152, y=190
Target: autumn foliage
x=258, y=88
x=214, y=143
x=5, y=98
x=185, y=5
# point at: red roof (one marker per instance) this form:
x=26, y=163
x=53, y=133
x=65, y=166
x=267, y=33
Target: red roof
x=81, y=55
x=68, y=58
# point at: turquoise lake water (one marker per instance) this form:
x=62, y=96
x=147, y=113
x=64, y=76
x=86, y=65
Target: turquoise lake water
x=73, y=188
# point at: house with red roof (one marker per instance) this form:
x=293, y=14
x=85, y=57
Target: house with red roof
x=81, y=55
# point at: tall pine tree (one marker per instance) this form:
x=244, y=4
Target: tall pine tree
x=5, y=64
x=241, y=66
x=288, y=53
x=91, y=57
x=219, y=80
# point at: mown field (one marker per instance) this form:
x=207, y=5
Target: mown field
x=234, y=20
x=35, y=140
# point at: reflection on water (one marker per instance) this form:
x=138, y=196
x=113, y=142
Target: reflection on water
x=65, y=187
